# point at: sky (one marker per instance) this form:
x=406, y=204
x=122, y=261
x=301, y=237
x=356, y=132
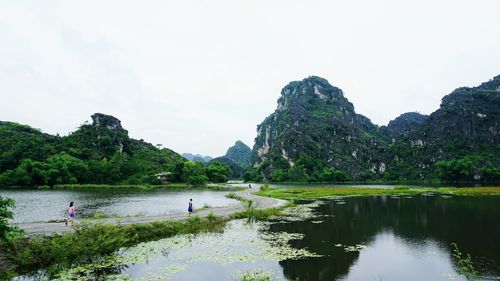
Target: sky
x=195, y=76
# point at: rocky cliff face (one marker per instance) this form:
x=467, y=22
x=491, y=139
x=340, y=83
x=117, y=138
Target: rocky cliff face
x=314, y=121
x=315, y=128
x=466, y=124
x=239, y=153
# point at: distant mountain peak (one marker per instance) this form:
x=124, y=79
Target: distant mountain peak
x=239, y=153
x=311, y=87
x=197, y=157
x=406, y=122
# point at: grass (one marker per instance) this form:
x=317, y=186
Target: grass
x=325, y=192
x=89, y=242
x=102, y=216
x=233, y=195
x=253, y=213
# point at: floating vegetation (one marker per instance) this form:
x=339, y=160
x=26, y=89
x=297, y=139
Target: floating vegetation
x=240, y=242
x=166, y=272
x=317, y=222
x=300, y=212
x=256, y=275
x=355, y=248
x=338, y=245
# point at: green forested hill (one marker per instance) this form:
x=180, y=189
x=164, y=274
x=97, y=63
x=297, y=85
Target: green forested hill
x=315, y=135
x=101, y=152
x=239, y=153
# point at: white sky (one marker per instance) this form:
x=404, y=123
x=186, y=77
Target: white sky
x=196, y=76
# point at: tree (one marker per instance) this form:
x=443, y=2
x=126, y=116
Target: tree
x=456, y=169
x=5, y=214
x=279, y=175
x=330, y=174
x=63, y=169
x=218, y=172
x=193, y=173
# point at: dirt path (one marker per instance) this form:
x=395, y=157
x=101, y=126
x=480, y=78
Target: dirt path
x=44, y=228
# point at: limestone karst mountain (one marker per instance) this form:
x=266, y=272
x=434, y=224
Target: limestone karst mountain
x=316, y=135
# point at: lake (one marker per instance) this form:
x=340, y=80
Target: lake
x=33, y=205
x=355, y=238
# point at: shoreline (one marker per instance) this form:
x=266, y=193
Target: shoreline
x=259, y=202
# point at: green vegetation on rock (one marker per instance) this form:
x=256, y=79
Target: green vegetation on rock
x=239, y=153
x=97, y=153
x=315, y=135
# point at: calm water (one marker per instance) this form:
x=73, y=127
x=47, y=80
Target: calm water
x=406, y=238
x=44, y=205
x=398, y=238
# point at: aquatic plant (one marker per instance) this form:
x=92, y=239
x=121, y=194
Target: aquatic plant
x=241, y=242
x=256, y=275
x=91, y=242
x=300, y=212
x=354, y=248
x=464, y=264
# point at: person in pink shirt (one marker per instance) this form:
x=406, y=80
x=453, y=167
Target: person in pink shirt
x=71, y=213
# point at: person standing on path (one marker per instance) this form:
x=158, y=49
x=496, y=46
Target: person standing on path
x=71, y=214
x=190, y=206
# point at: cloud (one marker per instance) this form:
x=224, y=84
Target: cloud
x=197, y=75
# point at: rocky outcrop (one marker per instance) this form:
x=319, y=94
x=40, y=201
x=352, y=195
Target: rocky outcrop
x=239, y=153
x=466, y=124
x=315, y=128
x=110, y=122
x=315, y=121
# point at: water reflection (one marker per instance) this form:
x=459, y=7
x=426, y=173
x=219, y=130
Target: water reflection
x=415, y=226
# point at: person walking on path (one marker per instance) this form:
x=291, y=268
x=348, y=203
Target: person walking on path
x=71, y=214
x=190, y=206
